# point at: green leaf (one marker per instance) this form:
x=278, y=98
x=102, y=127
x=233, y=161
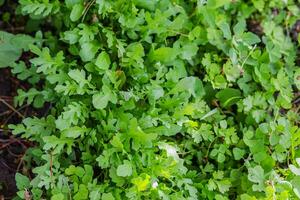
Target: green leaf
x=88, y=51
x=11, y=47
x=295, y=170
x=156, y=92
x=82, y=193
x=59, y=196
x=88, y=176
x=103, y=61
x=238, y=153
x=192, y=85
x=189, y=51
x=256, y=175
x=250, y=38
x=22, y=181
x=217, y=3
x=116, y=142
x=100, y=100
x=164, y=54
x=107, y=196
x=172, y=129
x=76, y=12
x=78, y=76
x=228, y=96
x=240, y=27
x=150, y=5
x=224, y=186
x=259, y=4
x=22, y=41
x=232, y=72
x=124, y=169
x=224, y=26
x=221, y=158
x=74, y=132
x=31, y=96
x=78, y=171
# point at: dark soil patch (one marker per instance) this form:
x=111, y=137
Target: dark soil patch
x=11, y=149
x=254, y=26
x=295, y=31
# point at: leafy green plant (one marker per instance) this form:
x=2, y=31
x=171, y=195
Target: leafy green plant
x=163, y=100
x=11, y=47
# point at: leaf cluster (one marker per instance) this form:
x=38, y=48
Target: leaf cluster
x=162, y=99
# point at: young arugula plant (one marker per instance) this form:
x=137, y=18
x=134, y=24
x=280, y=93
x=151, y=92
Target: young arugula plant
x=162, y=99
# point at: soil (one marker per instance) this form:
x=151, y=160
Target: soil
x=12, y=148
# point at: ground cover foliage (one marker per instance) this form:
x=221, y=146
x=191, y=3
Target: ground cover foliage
x=160, y=99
